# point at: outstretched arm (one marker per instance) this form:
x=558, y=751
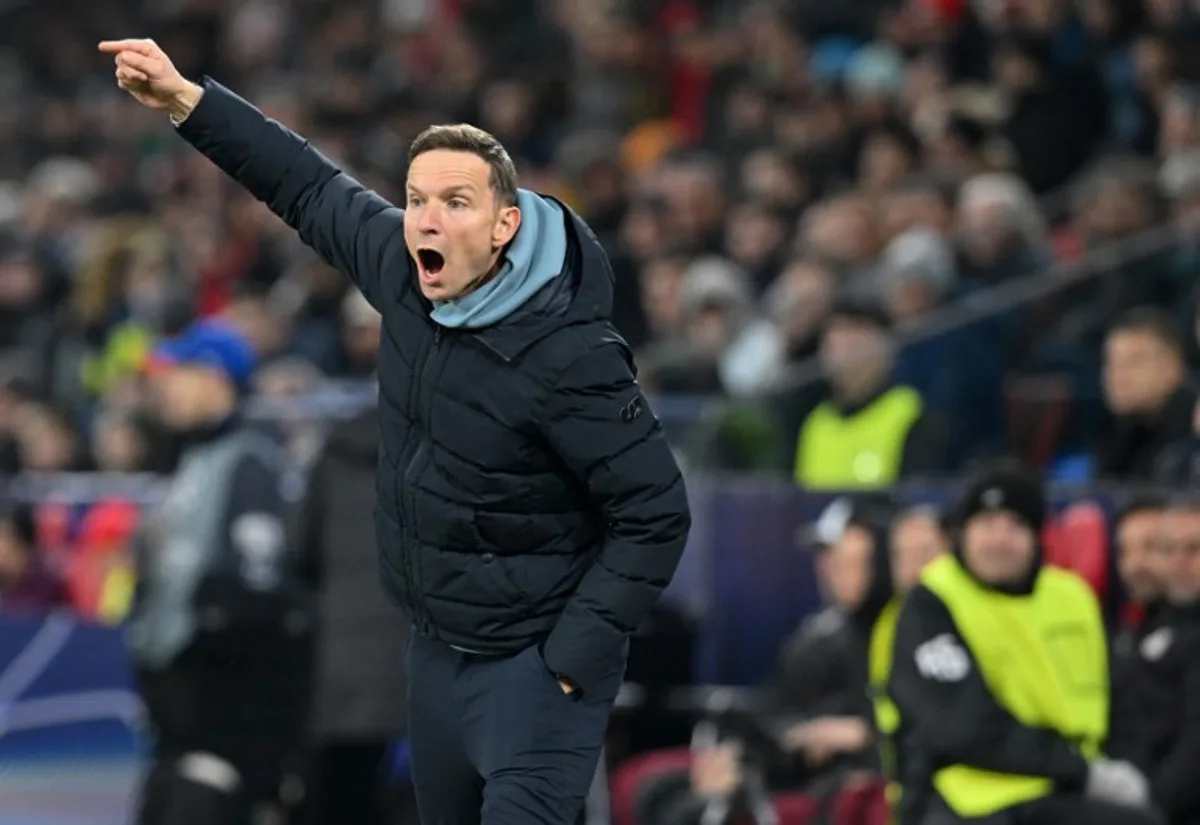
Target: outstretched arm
x=351, y=227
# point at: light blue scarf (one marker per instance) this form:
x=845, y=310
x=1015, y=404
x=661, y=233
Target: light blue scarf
x=533, y=259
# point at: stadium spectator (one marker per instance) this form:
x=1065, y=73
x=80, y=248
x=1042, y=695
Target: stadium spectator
x=1138, y=545
x=359, y=692
x=1167, y=679
x=870, y=431
x=917, y=537
x=26, y=582
x=820, y=713
x=1146, y=391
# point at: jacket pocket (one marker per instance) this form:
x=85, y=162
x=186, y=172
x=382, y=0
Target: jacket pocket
x=473, y=580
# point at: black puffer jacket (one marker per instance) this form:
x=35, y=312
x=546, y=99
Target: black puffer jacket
x=525, y=491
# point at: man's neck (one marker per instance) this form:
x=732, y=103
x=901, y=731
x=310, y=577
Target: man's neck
x=859, y=389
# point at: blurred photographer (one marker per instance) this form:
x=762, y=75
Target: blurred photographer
x=220, y=631
x=819, y=732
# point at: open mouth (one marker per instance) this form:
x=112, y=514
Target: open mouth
x=431, y=260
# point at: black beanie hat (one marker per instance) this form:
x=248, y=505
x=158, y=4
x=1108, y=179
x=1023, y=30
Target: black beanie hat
x=1005, y=488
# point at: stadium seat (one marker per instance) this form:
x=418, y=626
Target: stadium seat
x=795, y=808
x=1037, y=407
x=633, y=773
x=1077, y=540
x=860, y=805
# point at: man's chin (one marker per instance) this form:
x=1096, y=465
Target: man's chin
x=436, y=291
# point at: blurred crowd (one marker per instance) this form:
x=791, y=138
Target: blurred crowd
x=789, y=191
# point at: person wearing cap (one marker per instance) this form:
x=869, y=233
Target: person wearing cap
x=1000, y=678
x=870, y=431
x=220, y=627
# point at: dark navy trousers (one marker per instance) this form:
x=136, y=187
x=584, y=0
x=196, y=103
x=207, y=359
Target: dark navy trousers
x=495, y=741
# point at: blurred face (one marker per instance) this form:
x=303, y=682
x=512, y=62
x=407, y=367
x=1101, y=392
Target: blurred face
x=998, y=547
x=45, y=444
x=1151, y=63
x=695, y=203
x=661, y=282
x=1180, y=126
x=19, y=282
x=1139, y=539
x=808, y=293
x=844, y=232
x=753, y=236
x=908, y=209
x=854, y=353
x=1015, y=72
x=986, y=231
x=1118, y=211
x=847, y=567
x=186, y=397
x=884, y=161
x=454, y=228
x=117, y=447
x=766, y=177
x=506, y=108
x=14, y=558
x=916, y=541
x=1181, y=555
x=1140, y=372
x=909, y=300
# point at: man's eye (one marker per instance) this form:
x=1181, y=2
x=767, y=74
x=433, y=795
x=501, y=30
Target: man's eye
x=457, y=203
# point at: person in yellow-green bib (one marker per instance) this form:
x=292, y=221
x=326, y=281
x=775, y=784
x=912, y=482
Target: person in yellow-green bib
x=915, y=539
x=1000, y=678
x=870, y=431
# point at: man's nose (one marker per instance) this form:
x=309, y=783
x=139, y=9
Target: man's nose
x=429, y=221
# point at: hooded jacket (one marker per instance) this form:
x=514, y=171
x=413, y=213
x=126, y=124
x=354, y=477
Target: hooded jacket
x=525, y=492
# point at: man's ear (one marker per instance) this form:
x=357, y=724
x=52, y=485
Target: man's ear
x=506, y=226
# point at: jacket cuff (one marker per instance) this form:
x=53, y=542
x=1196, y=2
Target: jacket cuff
x=585, y=650
x=199, y=119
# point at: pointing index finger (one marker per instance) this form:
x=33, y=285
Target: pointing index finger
x=116, y=46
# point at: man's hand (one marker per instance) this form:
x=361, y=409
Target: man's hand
x=1118, y=782
x=828, y=736
x=149, y=76
x=566, y=686
x=717, y=771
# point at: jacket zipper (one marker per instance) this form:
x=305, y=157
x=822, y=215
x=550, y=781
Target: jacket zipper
x=424, y=399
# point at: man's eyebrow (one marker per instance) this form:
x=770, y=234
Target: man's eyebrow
x=448, y=192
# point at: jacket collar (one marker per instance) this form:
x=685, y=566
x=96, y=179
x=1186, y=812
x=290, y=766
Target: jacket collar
x=582, y=294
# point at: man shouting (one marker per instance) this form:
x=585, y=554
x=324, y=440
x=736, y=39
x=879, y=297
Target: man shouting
x=529, y=510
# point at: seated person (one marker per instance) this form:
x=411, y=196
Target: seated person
x=1000, y=679
x=26, y=583
x=1164, y=673
x=821, y=726
x=917, y=538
